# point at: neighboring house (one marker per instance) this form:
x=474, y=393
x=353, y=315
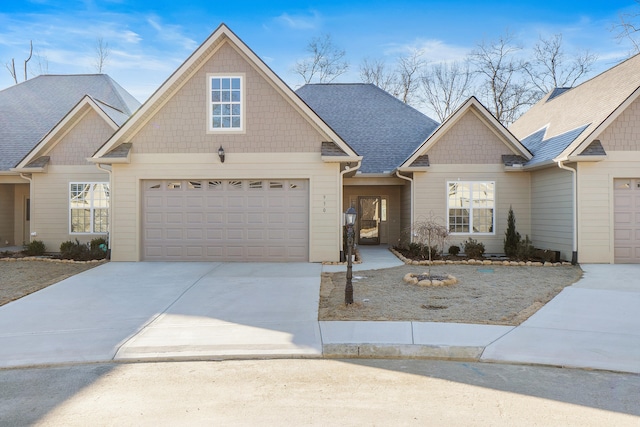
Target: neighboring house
x=49, y=126
x=585, y=173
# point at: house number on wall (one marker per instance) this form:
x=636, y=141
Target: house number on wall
x=324, y=203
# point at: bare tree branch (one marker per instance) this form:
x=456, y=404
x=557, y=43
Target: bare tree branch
x=11, y=67
x=504, y=90
x=629, y=30
x=409, y=69
x=28, y=59
x=102, y=51
x=375, y=72
x=551, y=69
x=445, y=87
x=326, y=62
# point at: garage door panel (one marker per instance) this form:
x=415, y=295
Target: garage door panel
x=626, y=220
x=225, y=220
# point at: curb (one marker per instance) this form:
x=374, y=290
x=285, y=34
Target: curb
x=402, y=351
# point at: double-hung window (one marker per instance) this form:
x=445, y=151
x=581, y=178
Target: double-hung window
x=89, y=207
x=226, y=103
x=471, y=207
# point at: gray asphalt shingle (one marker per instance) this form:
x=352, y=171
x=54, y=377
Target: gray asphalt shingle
x=29, y=110
x=376, y=125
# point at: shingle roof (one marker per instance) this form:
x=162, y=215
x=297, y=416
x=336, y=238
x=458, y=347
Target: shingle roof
x=378, y=126
x=545, y=150
x=31, y=109
x=585, y=107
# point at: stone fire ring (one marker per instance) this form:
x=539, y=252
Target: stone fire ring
x=425, y=280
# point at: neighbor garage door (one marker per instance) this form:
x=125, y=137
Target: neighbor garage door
x=225, y=220
x=627, y=220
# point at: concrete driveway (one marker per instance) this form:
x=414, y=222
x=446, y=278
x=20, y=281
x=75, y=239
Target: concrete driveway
x=129, y=311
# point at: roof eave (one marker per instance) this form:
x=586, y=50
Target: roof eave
x=341, y=159
x=587, y=158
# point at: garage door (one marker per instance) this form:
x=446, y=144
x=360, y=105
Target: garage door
x=226, y=220
x=627, y=220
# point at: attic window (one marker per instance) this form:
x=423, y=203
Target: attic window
x=226, y=99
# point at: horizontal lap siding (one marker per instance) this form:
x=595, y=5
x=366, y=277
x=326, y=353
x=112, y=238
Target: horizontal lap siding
x=7, y=215
x=595, y=203
x=512, y=189
x=552, y=210
x=50, y=203
x=323, y=181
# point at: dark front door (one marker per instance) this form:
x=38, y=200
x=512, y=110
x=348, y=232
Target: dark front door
x=369, y=220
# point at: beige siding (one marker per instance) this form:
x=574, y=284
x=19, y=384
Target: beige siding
x=512, y=189
x=595, y=204
x=7, y=237
x=21, y=226
x=552, y=210
x=323, y=179
x=50, y=203
x=624, y=133
x=272, y=123
x=390, y=230
x=81, y=141
x=469, y=141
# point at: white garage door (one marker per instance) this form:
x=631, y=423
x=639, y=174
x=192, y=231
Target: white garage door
x=627, y=221
x=226, y=220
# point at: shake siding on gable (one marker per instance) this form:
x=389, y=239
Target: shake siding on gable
x=81, y=141
x=512, y=189
x=272, y=123
x=552, y=211
x=469, y=141
x=624, y=133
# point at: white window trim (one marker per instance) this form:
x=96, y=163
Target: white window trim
x=92, y=208
x=243, y=104
x=471, y=232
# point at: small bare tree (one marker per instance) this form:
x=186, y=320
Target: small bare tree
x=431, y=234
x=102, y=52
x=325, y=63
x=445, y=87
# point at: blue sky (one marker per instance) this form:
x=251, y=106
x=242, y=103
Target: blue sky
x=149, y=40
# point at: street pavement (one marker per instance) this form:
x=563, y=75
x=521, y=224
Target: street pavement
x=202, y=311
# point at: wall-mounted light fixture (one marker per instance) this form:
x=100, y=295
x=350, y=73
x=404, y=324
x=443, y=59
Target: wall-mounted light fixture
x=221, y=154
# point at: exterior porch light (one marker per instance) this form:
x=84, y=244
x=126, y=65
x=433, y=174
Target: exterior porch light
x=350, y=219
x=221, y=154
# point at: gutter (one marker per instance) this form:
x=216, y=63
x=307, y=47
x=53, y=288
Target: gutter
x=109, y=171
x=574, y=183
x=406, y=178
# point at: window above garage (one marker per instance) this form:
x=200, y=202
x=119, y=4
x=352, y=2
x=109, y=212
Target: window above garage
x=226, y=103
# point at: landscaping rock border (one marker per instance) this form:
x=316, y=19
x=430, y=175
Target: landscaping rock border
x=478, y=262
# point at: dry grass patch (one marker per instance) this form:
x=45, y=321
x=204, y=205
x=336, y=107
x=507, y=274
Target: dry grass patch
x=497, y=295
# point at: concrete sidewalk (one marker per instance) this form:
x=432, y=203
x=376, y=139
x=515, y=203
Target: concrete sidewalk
x=169, y=311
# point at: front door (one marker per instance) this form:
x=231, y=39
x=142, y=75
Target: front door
x=369, y=220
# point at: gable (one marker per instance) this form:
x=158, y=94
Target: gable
x=469, y=141
x=81, y=141
x=623, y=134
x=272, y=124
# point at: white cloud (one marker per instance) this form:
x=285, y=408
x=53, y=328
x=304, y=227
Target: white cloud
x=171, y=33
x=433, y=50
x=300, y=22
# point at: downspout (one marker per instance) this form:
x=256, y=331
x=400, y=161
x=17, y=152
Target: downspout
x=109, y=171
x=411, y=202
x=347, y=168
x=30, y=179
x=574, y=183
